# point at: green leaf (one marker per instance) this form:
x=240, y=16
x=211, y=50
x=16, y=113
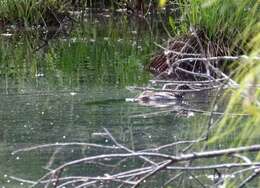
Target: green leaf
x=162, y=3
x=172, y=23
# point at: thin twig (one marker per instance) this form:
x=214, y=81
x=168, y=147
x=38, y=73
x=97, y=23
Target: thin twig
x=127, y=149
x=157, y=169
x=63, y=144
x=250, y=178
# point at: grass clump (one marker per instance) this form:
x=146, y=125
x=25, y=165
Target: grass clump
x=244, y=130
x=231, y=22
x=31, y=12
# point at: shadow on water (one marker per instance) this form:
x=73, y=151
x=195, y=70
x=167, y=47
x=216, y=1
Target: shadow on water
x=70, y=89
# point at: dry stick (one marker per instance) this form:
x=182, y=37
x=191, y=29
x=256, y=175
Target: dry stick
x=120, y=181
x=56, y=176
x=128, y=173
x=149, y=8
x=235, y=173
x=157, y=169
x=104, y=178
x=115, y=180
x=83, y=179
x=217, y=166
x=234, y=84
x=170, y=145
x=45, y=181
x=181, y=180
x=87, y=183
x=187, y=45
x=228, y=166
x=202, y=50
x=250, y=178
x=190, y=86
x=151, y=114
x=122, y=184
x=244, y=158
x=63, y=144
x=167, y=51
x=70, y=182
x=172, y=90
x=127, y=149
x=172, y=179
x=197, y=180
x=52, y=158
x=185, y=157
x=102, y=164
x=216, y=58
x=117, y=165
x=21, y=180
x=189, y=82
x=213, y=104
x=86, y=159
x=144, y=170
x=196, y=73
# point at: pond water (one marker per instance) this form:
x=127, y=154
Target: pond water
x=72, y=88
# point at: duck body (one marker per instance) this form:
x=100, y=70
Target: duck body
x=157, y=99
x=148, y=96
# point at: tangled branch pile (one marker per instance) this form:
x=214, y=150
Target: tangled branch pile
x=124, y=167
x=188, y=64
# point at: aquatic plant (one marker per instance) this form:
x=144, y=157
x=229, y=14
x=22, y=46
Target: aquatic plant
x=109, y=52
x=229, y=22
x=32, y=12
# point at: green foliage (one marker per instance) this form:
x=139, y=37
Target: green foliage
x=230, y=21
x=244, y=130
x=162, y=3
x=28, y=12
x=245, y=100
x=109, y=54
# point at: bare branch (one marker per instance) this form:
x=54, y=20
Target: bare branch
x=63, y=144
x=157, y=169
x=250, y=178
x=127, y=149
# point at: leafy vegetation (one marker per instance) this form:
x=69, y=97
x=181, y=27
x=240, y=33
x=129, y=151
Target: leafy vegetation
x=231, y=22
x=234, y=23
x=110, y=54
x=29, y=12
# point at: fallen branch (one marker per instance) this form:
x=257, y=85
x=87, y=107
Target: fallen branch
x=63, y=144
x=162, y=161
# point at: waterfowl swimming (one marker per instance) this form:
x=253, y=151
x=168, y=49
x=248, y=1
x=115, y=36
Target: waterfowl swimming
x=161, y=96
x=157, y=99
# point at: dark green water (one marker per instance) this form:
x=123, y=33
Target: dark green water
x=73, y=88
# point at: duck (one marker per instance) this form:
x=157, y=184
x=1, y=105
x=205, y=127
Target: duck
x=157, y=99
x=162, y=96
